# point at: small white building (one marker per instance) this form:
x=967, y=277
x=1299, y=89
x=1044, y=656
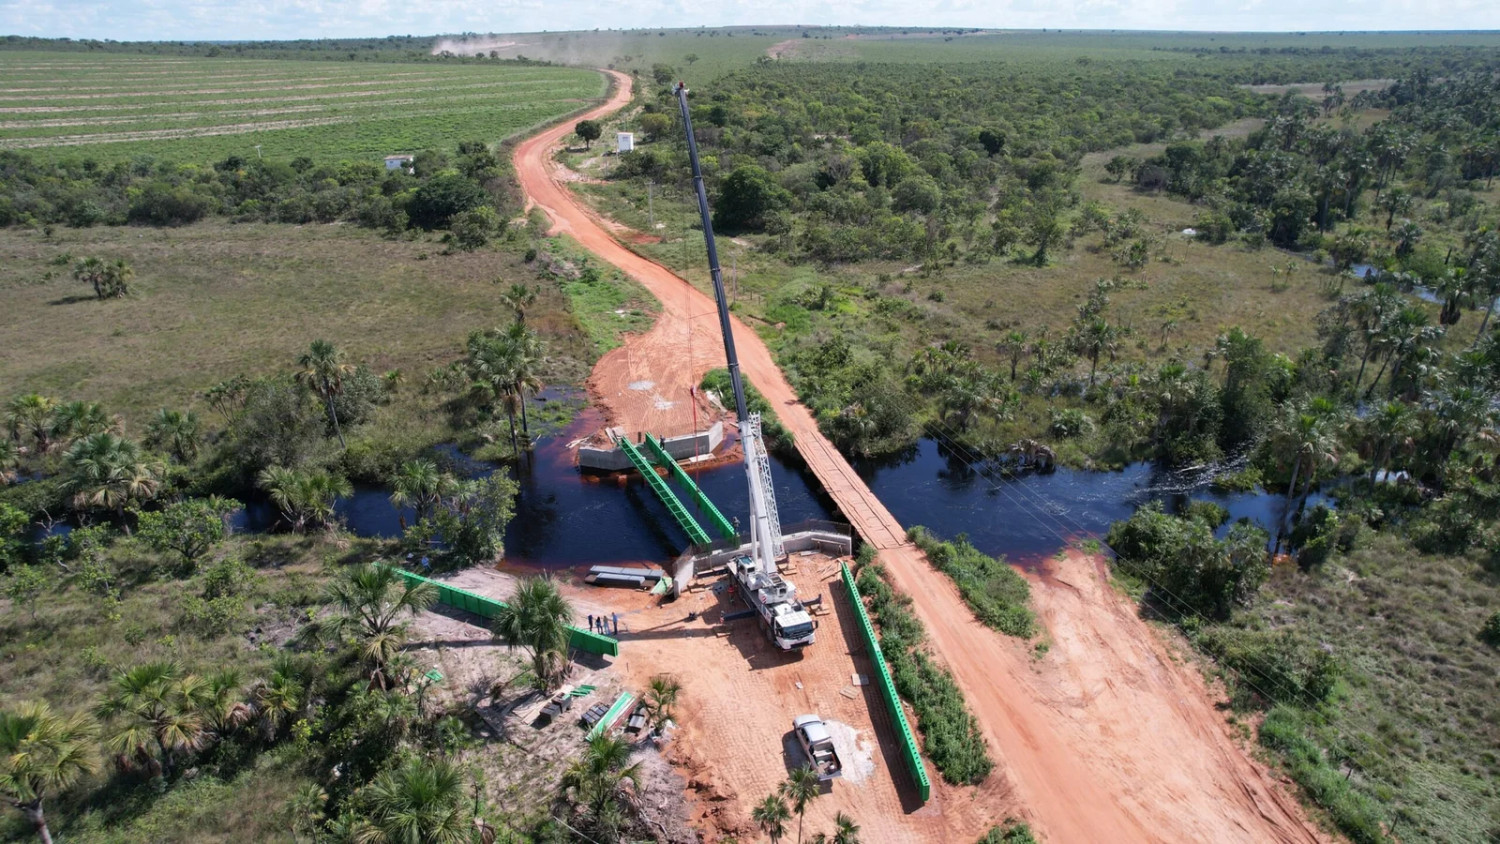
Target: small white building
x=396, y=162
x=624, y=141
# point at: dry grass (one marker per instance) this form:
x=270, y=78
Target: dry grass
x=214, y=300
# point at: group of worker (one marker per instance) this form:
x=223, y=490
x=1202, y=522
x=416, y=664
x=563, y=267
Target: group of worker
x=601, y=625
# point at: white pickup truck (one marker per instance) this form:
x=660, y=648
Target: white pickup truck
x=817, y=745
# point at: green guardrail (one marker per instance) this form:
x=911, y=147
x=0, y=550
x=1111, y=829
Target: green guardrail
x=463, y=599
x=715, y=517
x=904, y=735
x=684, y=519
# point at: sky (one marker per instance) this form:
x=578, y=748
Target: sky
x=140, y=20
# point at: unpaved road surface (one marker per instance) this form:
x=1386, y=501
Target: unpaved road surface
x=1106, y=738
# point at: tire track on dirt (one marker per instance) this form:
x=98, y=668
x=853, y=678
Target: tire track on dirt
x=1106, y=739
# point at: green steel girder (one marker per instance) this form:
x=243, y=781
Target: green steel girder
x=684, y=519
x=715, y=517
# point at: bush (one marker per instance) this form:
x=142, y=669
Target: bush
x=950, y=734
x=1278, y=666
x=161, y=204
x=998, y=595
x=1284, y=732
x=747, y=199
x=1188, y=571
x=1011, y=832
x=1490, y=632
x=442, y=197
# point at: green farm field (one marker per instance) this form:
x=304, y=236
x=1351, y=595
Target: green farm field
x=113, y=107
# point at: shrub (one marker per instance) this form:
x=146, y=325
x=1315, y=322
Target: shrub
x=1490, y=632
x=1189, y=572
x=1011, y=832
x=998, y=595
x=442, y=197
x=1284, y=732
x=1278, y=666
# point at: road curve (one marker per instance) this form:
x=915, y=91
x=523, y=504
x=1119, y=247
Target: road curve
x=1107, y=738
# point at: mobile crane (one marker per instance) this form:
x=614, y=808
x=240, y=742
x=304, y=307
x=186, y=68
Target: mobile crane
x=773, y=597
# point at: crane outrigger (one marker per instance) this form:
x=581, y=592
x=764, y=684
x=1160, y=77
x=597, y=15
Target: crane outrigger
x=773, y=597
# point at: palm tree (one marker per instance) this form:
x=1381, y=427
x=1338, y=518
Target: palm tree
x=107, y=472
x=30, y=416
x=801, y=789
x=10, y=461
x=528, y=352
x=368, y=602
x=420, y=485
x=42, y=753
x=1095, y=337
x=599, y=776
x=1014, y=345
x=1386, y=430
x=536, y=618
x=281, y=696
x=155, y=709
x=846, y=831
x=518, y=298
x=175, y=431
x=661, y=698
x=1306, y=436
x=323, y=369
x=304, y=497
x=771, y=816
x=421, y=802
x=220, y=701
x=491, y=369
x=74, y=420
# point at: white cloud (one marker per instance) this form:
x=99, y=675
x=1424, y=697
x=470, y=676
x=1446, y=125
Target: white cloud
x=282, y=19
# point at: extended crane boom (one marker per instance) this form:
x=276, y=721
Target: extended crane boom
x=774, y=599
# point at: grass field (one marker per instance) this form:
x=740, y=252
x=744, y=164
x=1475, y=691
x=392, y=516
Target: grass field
x=215, y=300
x=115, y=107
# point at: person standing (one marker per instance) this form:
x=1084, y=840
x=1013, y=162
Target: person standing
x=617, y=624
x=592, y=626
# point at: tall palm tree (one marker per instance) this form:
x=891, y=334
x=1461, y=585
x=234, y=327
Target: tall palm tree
x=801, y=789
x=420, y=485
x=155, y=712
x=42, y=753
x=661, y=698
x=491, y=369
x=771, y=815
x=519, y=297
x=176, y=432
x=528, y=353
x=108, y=472
x=323, y=369
x=1306, y=436
x=221, y=701
x=368, y=602
x=30, y=416
x=601, y=773
x=1387, y=430
x=1014, y=345
x=536, y=618
x=1098, y=336
x=421, y=802
x=845, y=831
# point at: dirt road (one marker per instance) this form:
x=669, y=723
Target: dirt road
x=1106, y=738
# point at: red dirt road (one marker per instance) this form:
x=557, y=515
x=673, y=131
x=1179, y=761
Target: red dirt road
x=1105, y=738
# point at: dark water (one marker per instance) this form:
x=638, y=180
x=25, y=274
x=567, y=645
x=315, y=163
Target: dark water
x=1027, y=516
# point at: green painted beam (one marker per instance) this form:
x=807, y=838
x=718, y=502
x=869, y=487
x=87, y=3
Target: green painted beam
x=463, y=599
x=715, y=517
x=684, y=519
x=622, y=703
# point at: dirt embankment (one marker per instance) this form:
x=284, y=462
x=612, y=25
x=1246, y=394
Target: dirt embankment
x=1106, y=738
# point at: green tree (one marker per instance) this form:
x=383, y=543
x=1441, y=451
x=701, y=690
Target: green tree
x=771, y=815
x=475, y=515
x=536, y=618
x=153, y=711
x=845, y=830
x=29, y=416
x=801, y=789
x=661, y=699
x=74, y=420
x=1305, y=438
x=190, y=528
x=1119, y=166
x=1387, y=432
x=368, y=602
x=588, y=131
x=10, y=461
x=110, y=280
x=442, y=197
x=1094, y=337
x=323, y=369
x=748, y=198
x=42, y=753
x=1043, y=230
x=109, y=473
x=282, y=695
x=24, y=584
x=472, y=229
x=420, y=485
x=656, y=125
x=519, y=298
x=420, y=802
x=1014, y=346
x=177, y=432
x=304, y=498
x=598, y=778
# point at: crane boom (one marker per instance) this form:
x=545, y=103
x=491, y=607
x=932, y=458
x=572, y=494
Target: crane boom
x=763, y=544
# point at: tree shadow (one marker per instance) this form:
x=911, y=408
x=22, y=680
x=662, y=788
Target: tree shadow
x=72, y=300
